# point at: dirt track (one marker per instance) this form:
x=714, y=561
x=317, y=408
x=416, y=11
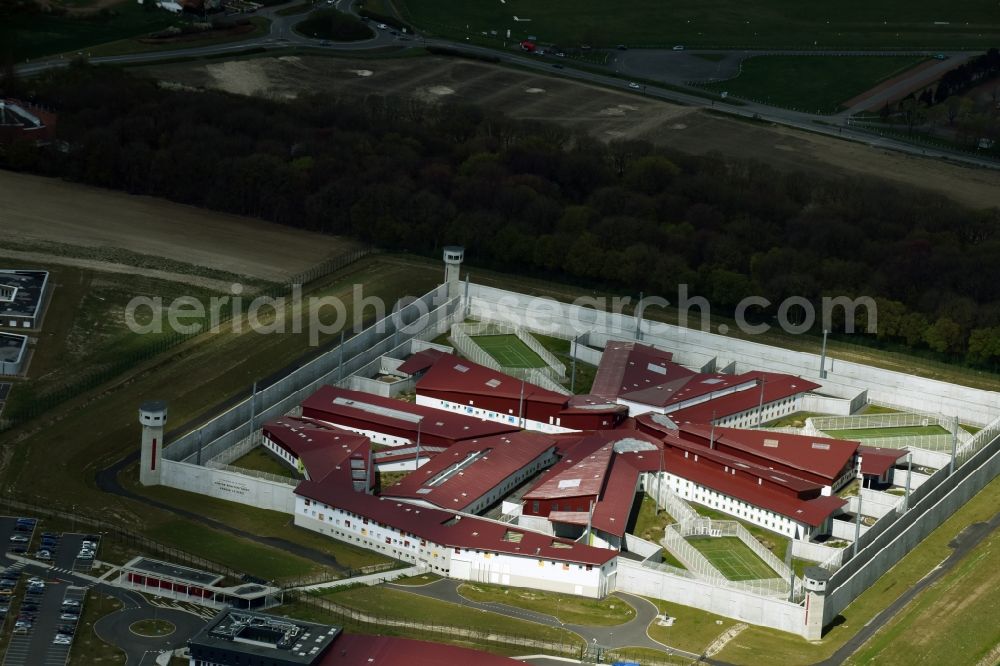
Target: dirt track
x=46, y=209
x=606, y=114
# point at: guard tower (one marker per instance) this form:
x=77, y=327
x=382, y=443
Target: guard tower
x=816, y=581
x=153, y=418
x=453, y=255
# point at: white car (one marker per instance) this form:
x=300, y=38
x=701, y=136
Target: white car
x=62, y=640
x=382, y=26
x=634, y=85
x=17, y=538
x=88, y=545
x=679, y=47
x=70, y=603
x=35, y=580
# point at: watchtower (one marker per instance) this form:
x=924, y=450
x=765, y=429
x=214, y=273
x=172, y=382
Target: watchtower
x=816, y=582
x=453, y=256
x=152, y=418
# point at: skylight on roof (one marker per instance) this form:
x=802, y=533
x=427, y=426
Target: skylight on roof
x=658, y=369
x=569, y=483
x=821, y=446
x=462, y=368
x=712, y=380
x=493, y=383
x=771, y=443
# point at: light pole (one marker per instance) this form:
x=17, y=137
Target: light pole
x=822, y=358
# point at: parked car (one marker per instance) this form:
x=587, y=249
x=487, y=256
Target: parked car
x=19, y=538
x=43, y=555
x=634, y=85
x=21, y=630
x=70, y=603
x=679, y=47
x=382, y=26
x=67, y=629
x=62, y=640
x=69, y=617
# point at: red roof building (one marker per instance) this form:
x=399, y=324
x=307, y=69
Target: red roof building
x=395, y=422
x=321, y=452
x=462, y=386
x=21, y=121
x=473, y=475
x=419, y=362
x=878, y=463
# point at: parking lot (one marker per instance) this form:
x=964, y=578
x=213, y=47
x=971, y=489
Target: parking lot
x=47, y=607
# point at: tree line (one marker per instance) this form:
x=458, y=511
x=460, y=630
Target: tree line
x=537, y=199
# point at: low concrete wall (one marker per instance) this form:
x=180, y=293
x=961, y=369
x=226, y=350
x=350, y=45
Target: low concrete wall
x=384, y=389
x=874, y=503
x=635, y=578
x=816, y=552
x=640, y=546
x=222, y=484
x=841, y=529
x=825, y=404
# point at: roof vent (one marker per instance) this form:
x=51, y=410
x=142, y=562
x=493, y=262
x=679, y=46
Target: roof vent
x=771, y=443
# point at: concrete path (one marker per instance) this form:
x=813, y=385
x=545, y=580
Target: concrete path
x=370, y=579
x=630, y=634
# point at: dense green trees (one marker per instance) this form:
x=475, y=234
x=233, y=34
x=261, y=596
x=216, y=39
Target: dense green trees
x=538, y=199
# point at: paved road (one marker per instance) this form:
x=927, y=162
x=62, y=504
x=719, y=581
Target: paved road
x=630, y=634
x=115, y=628
x=962, y=545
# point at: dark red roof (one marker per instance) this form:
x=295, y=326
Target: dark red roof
x=632, y=366
x=322, y=448
x=876, y=460
x=745, y=487
x=493, y=459
x=777, y=386
x=362, y=650
x=420, y=361
x=822, y=456
x=580, y=474
x=455, y=531
x=329, y=402
x=457, y=375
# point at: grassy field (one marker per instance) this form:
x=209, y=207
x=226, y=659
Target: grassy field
x=398, y=604
x=811, y=83
x=509, y=351
x=417, y=581
x=795, y=420
x=951, y=622
x=693, y=630
x=873, y=433
x=261, y=460
x=260, y=26
x=650, y=523
x=87, y=648
x=714, y=23
x=732, y=558
x=560, y=348
x=34, y=36
x=569, y=608
x=774, y=542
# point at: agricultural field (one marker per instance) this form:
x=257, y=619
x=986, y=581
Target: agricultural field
x=714, y=23
x=35, y=35
x=509, y=351
x=817, y=84
x=732, y=558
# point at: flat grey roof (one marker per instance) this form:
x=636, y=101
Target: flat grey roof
x=272, y=639
x=28, y=298
x=11, y=347
x=172, y=571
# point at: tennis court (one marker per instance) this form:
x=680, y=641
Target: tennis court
x=732, y=558
x=509, y=351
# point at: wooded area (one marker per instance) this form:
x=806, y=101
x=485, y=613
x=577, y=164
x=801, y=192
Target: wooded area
x=537, y=199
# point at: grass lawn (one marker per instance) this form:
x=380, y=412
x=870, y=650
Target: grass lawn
x=732, y=558
x=560, y=348
x=713, y=23
x=878, y=409
x=874, y=433
x=261, y=26
x=262, y=460
x=811, y=83
x=509, y=351
x=569, y=608
x=794, y=420
x=693, y=630
x=773, y=541
x=650, y=523
x=952, y=622
x=152, y=628
x=417, y=581
x=641, y=655
x=88, y=649
x=398, y=604
x=37, y=35
x=757, y=645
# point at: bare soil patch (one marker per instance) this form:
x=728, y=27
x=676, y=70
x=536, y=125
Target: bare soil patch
x=47, y=209
x=603, y=113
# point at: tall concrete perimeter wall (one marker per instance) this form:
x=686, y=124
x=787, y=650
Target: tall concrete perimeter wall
x=935, y=502
x=359, y=354
x=636, y=578
x=231, y=486
x=695, y=347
